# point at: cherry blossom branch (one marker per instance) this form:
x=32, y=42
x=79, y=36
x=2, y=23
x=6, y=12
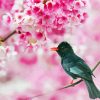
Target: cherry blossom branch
x=71, y=85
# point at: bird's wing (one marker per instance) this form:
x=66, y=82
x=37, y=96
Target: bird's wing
x=84, y=66
x=81, y=70
x=82, y=63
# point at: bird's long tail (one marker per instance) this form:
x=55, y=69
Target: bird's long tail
x=92, y=89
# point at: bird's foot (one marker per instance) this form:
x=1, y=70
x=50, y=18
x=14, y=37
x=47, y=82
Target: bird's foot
x=72, y=83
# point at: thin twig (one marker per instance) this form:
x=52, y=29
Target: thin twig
x=96, y=66
x=71, y=85
x=8, y=36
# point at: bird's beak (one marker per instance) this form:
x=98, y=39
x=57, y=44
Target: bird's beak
x=54, y=49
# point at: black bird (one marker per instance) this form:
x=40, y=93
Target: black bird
x=76, y=67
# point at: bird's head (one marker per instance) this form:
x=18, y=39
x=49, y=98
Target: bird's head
x=63, y=49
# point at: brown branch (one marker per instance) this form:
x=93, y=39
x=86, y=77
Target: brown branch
x=71, y=85
x=7, y=37
x=44, y=1
x=95, y=66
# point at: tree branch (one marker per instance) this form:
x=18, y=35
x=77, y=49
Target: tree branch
x=71, y=85
x=7, y=37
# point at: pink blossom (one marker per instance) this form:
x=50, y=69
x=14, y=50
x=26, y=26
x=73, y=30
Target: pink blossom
x=6, y=5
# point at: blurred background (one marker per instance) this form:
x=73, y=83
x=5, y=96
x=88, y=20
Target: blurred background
x=28, y=67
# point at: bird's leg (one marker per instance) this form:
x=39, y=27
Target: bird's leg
x=72, y=81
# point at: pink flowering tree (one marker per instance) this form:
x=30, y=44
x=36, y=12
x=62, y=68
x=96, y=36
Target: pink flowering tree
x=28, y=28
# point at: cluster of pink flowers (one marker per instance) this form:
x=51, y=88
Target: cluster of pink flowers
x=53, y=17
x=6, y=5
x=45, y=19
